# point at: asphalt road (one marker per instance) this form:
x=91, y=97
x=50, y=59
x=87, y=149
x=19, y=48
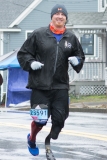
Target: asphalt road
x=83, y=138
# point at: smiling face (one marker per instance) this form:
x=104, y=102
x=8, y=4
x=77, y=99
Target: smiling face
x=59, y=20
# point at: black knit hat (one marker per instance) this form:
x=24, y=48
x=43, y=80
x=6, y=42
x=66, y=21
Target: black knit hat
x=59, y=8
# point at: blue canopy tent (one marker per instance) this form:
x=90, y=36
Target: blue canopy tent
x=8, y=63
x=16, y=79
x=9, y=60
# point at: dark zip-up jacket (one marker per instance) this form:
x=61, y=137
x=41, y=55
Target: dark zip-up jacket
x=43, y=47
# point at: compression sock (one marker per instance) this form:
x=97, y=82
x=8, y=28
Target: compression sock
x=34, y=130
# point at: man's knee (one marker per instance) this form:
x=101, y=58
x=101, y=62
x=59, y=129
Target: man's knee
x=39, y=113
x=55, y=130
x=39, y=124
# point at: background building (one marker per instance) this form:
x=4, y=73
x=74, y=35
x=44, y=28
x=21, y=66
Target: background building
x=87, y=19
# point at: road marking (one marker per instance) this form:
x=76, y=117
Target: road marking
x=65, y=132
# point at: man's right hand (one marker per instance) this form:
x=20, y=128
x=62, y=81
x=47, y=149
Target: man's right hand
x=36, y=65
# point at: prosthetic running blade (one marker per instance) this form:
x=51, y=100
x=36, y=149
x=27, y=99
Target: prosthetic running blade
x=49, y=153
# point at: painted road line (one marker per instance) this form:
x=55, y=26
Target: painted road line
x=65, y=132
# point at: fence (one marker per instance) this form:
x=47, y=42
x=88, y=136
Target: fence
x=91, y=79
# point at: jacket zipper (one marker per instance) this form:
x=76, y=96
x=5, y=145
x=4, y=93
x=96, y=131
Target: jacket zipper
x=56, y=57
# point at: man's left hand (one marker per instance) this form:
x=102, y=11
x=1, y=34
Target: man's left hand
x=73, y=60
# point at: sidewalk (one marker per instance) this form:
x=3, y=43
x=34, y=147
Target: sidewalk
x=93, y=107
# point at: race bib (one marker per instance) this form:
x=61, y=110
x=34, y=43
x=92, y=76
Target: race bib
x=39, y=113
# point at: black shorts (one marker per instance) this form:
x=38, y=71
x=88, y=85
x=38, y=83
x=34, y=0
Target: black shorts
x=57, y=102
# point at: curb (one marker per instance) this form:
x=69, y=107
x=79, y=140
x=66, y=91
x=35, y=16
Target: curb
x=71, y=109
x=89, y=110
